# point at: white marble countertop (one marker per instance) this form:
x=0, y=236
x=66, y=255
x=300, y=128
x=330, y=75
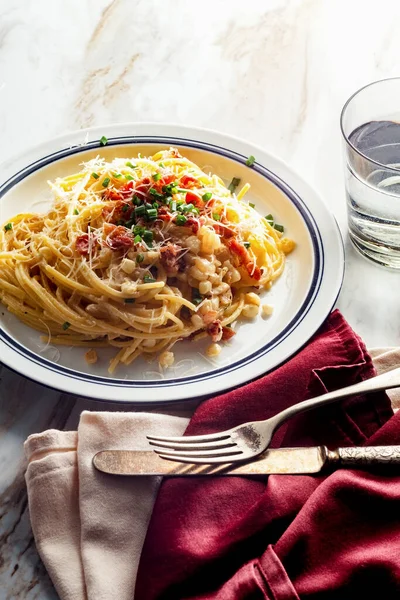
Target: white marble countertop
x=275, y=72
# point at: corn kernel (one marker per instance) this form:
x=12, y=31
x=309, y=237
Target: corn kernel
x=91, y=357
x=213, y=350
x=267, y=310
x=166, y=359
x=252, y=298
x=250, y=311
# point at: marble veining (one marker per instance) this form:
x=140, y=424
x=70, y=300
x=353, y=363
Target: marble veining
x=275, y=72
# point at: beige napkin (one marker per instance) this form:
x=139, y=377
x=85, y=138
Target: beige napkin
x=89, y=528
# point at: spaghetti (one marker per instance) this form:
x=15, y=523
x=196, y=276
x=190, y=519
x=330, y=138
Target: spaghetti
x=139, y=254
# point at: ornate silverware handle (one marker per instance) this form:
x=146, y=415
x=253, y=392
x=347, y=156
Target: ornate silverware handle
x=368, y=455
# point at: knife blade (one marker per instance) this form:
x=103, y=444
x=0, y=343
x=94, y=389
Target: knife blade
x=275, y=461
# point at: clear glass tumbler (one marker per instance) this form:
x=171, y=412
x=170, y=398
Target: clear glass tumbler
x=370, y=123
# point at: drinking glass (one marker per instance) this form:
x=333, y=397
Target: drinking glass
x=370, y=124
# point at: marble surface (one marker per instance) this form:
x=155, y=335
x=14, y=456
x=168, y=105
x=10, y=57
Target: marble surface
x=274, y=72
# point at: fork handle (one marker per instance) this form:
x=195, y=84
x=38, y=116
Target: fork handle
x=364, y=456
x=386, y=381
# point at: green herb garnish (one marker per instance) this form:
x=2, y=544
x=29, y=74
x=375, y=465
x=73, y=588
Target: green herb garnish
x=8, y=227
x=149, y=279
x=252, y=205
x=140, y=258
x=180, y=220
x=137, y=239
x=207, y=196
x=125, y=208
x=138, y=230
x=156, y=176
x=279, y=228
x=76, y=211
x=246, y=244
x=148, y=236
x=116, y=175
x=250, y=161
x=103, y=140
x=196, y=297
x=129, y=177
x=66, y=325
x=152, y=214
x=106, y=181
x=216, y=217
x=140, y=211
x=95, y=175
x=130, y=165
x=161, y=165
x=233, y=184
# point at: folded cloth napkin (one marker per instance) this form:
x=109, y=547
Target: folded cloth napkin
x=89, y=527
x=285, y=537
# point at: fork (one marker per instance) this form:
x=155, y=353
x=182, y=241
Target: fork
x=250, y=439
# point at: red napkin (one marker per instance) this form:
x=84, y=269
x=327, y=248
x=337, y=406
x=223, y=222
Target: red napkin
x=285, y=537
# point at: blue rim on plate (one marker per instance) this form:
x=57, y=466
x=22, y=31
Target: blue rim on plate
x=296, y=200
x=319, y=299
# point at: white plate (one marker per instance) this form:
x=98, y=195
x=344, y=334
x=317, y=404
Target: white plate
x=302, y=297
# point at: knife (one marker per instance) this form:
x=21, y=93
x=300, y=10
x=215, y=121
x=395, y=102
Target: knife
x=281, y=461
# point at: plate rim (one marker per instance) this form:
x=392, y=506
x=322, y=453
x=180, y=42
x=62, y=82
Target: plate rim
x=151, y=390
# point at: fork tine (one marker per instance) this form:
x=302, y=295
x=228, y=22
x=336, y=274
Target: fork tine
x=191, y=438
x=224, y=453
x=211, y=460
x=228, y=443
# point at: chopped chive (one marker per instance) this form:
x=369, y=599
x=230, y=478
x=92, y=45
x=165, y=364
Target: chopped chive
x=137, y=239
x=155, y=205
x=136, y=200
x=196, y=297
x=8, y=227
x=148, y=236
x=129, y=300
x=252, y=205
x=140, y=211
x=152, y=214
x=161, y=165
x=187, y=207
x=106, y=181
x=154, y=193
x=103, y=140
x=216, y=217
x=149, y=279
x=140, y=258
x=156, y=176
x=180, y=220
x=130, y=223
x=116, y=175
x=172, y=205
x=138, y=230
x=195, y=211
x=130, y=165
x=269, y=217
x=233, y=184
x=207, y=196
x=279, y=228
x=129, y=177
x=76, y=211
x=174, y=189
x=246, y=244
x=250, y=161
x=95, y=175
x=65, y=325
x=125, y=208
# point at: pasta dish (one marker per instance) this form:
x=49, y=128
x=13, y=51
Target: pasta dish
x=138, y=254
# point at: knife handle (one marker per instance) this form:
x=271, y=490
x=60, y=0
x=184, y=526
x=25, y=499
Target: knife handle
x=365, y=456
